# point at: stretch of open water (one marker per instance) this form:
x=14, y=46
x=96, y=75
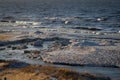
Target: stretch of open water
x=104, y=14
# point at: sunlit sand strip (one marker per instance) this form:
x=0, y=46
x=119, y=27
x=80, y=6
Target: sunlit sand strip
x=5, y=37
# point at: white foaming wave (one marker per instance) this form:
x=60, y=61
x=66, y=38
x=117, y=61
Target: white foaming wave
x=28, y=22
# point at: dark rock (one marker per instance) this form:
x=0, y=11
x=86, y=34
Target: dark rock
x=26, y=40
x=24, y=47
x=38, y=32
x=10, y=54
x=4, y=21
x=38, y=43
x=9, y=46
x=13, y=48
x=32, y=43
x=48, y=39
x=27, y=51
x=56, y=38
x=63, y=42
x=2, y=49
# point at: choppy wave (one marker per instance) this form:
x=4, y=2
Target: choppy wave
x=62, y=13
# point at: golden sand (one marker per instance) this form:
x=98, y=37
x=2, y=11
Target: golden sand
x=5, y=37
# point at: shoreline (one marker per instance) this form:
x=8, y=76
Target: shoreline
x=63, y=48
x=54, y=52
x=29, y=72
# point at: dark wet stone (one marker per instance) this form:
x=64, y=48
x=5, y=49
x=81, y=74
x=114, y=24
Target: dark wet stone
x=48, y=39
x=38, y=32
x=38, y=43
x=24, y=47
x=25, y=40
x=4, y=21
x=3, y=43
x=56, y=39
x=2, y=49
x=27, y=51
x=62, y=41
x=51, y=39
x=13, y=48
x=32, y=43
x=9, y=46
x=10, y=54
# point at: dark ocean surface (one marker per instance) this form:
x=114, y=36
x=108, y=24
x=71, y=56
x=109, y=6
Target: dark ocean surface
x=103, y=14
